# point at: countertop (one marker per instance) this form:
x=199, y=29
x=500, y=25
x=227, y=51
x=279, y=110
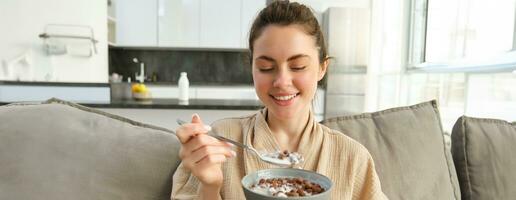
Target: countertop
x=208, y=104
x=84, y=84
x=214, y=104
x=155, y=103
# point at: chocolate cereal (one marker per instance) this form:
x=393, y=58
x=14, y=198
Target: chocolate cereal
x=287, y=187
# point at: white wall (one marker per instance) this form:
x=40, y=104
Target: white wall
x=21, y=21
x=322, y=5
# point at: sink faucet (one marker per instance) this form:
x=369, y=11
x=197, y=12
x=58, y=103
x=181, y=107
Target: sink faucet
x=140, y=77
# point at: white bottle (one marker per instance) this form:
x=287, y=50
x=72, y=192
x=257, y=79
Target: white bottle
x=183, y=88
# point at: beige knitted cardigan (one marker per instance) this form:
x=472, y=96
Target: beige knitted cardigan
x=346, y=162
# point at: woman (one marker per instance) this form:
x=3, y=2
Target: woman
x=288, y=59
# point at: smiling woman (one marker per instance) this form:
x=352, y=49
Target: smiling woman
x=288, y=58
x=286, y=69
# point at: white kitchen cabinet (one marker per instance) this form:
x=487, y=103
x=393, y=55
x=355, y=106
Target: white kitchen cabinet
x=178, y=23
x=137, y=23
x=249, y=12
x=185, y=23
x=220, y=24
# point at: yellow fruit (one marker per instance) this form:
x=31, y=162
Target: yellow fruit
x=135, y=87
x=139, y=88
x=143, y=88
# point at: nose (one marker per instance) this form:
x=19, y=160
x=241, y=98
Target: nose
x=282, y=79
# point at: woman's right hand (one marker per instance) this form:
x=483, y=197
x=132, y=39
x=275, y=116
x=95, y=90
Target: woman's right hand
x=202, y=154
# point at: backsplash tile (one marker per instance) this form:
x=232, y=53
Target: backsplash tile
x=203, y=67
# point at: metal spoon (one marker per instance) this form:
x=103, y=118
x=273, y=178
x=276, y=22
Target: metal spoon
x=271, y=160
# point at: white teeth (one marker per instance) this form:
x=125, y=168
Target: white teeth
x=285, y=98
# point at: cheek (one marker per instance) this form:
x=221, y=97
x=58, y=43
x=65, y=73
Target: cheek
x=307, y=82
x=261, y=83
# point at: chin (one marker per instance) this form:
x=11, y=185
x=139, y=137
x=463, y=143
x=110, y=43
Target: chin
x=283, y=113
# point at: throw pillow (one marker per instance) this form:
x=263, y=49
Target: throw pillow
x=61, y=150
x=483, y=151
x=408, y=148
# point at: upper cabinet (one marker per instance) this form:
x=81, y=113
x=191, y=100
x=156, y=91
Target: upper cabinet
x=185, y=23
x=220, y=23
x=178, y=23
x=137, y=23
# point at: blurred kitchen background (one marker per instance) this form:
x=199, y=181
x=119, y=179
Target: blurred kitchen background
x=386, y=54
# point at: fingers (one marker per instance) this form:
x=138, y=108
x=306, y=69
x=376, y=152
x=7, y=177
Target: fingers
x=211, y=160
x=204, y=162
x=199, y=150
x=199, y=142
x=204, y=140
x=196, y=119
x=208, y=151
x=187, y=131
x=206, y=155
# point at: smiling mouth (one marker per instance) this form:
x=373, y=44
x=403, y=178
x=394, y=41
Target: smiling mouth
x=285, y=98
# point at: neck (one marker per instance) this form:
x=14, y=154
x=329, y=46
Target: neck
x=287, y=132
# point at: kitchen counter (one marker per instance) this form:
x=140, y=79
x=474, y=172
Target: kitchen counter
x=100, y=95
x=202, y=104
x=84, y=84
x=210, y=104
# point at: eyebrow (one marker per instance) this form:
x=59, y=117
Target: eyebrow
x=289, y=59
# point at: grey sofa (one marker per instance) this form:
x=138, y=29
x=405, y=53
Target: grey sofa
x=60, y=150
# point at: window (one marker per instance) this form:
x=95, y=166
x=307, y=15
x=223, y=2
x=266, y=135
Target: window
x=463, y=53
x=463, y=35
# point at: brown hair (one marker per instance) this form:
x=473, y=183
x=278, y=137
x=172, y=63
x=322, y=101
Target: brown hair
x=283, y=12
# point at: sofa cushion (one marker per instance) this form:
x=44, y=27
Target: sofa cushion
x=60, y=150
x=484, y=155
x=407, y=146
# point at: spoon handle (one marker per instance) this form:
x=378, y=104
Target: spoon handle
x=215, y=135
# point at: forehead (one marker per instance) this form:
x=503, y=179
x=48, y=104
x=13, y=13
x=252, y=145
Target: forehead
x=283, y=41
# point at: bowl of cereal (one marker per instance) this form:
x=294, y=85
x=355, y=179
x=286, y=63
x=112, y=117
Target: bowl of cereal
x=286, y=183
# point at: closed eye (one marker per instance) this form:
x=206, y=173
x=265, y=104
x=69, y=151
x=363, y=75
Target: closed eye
x=265, y=69
x=298, y=68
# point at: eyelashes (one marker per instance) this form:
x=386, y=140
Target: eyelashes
x=270, y=69
x=298, y=68
x=265, y=69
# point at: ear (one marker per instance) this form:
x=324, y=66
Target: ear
x=323, y=68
